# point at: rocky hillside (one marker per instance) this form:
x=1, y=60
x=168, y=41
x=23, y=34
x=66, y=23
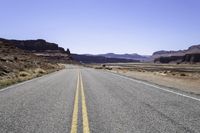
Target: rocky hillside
x=17, y=65
x=46, y=50
x=39, y=45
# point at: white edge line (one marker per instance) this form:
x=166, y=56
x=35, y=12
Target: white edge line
x=138, y=81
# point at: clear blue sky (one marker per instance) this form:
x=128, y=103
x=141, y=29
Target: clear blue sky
x=101, y=26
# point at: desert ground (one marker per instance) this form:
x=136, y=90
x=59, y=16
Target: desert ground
x=184, y=77
x=17, y=65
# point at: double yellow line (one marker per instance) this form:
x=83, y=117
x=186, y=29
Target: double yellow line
x=85, y=121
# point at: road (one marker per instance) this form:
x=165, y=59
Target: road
x=79, y=99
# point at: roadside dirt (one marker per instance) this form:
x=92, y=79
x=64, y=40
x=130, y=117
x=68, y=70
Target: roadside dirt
x=186, y=84
x=185, y=77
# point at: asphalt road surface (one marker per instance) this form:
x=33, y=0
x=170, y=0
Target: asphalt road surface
x=85, y=100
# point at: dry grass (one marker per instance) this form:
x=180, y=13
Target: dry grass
x=6, y=82
x=40, y=71
x=24, y=75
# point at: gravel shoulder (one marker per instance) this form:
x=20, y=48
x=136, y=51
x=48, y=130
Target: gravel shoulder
x=190, y=85
x=184, y=77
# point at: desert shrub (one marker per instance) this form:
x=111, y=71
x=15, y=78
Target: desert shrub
x=23, y=74
x=108, y=68
x=103, y=65
x=182, y=74
x=2, y=73
x=21, y=69
x=40, y=71
x=15, y=58
x=173, y=74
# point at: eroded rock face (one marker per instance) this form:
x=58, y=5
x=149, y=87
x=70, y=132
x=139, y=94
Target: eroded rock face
x=169, y=59
x=191, y=55
x=41, y=49
x=192, y=58
x=35, y=45
x=187, y=58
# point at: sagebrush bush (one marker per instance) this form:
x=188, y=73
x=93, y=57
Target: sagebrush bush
x=23, y=74
x=183, y=74
x=40, y=71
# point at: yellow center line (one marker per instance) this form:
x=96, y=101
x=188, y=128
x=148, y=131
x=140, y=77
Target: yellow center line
x=86, y=128
x=75, y=112
x=85, y=121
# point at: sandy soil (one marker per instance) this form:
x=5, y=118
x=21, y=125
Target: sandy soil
x=190, y=85
x=185, y=77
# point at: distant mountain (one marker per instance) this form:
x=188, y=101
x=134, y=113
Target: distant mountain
x=169, y=53
x=53, y=53
x=124, y=56
x=87, y=58
x=192, y=49
x=192, y=55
